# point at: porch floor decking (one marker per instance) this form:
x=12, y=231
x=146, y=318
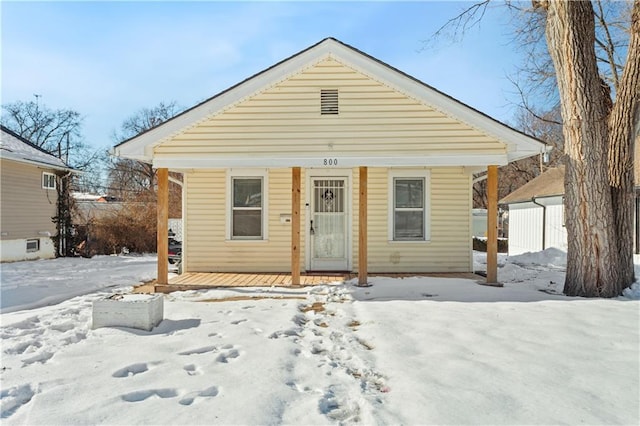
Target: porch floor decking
x=203, y=280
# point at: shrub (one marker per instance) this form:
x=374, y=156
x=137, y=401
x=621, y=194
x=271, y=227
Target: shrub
x=132, y=228
x=481, y=245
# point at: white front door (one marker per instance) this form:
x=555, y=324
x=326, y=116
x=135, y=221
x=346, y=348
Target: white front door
x=328, y=224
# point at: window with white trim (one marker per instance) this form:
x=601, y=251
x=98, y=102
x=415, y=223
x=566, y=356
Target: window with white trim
x=48, y=180
x=33, y=245
x=247, y=212
x=409, y=208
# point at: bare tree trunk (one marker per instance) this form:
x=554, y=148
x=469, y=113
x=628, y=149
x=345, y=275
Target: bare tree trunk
x=622, y=134
x=592, y=256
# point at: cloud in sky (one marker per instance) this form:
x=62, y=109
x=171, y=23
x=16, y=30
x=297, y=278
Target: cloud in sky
x=109, y=59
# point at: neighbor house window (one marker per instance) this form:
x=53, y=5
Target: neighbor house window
x=33, y=245
x=48, y=180
x=247, y=211
x=408, y=213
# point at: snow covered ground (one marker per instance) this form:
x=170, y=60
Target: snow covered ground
x=414, y=350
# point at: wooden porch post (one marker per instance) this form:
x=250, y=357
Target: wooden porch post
x=492, y=225
x=362, y=231
x=163, y=226
x=295, y=226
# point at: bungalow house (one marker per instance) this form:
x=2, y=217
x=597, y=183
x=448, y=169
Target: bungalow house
x=28, y=194
x=330, y=160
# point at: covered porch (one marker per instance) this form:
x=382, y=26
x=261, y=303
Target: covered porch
x=294, y=277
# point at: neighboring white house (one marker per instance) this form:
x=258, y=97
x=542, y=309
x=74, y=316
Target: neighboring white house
x=28, y=198
x=536, y=214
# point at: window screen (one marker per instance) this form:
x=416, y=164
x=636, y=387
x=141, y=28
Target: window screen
x=246, y=214
x=409, y=209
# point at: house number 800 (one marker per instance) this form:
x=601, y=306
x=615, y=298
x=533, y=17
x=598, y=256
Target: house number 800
x=330, y=161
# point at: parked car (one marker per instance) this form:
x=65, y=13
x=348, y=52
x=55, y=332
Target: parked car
x=175, y=250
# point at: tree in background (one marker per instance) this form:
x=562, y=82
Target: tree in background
x=130, y=177
x=584, y=67
x=599, y=134
x=544, y=126
x=59, y=132
x=133, y=225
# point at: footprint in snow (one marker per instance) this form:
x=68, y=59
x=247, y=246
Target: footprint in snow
x=228, y=355
x=191, y=369
x=131, y=370
x=286, y=333
x=63, y=327
x=74, y=338
x=339, y=408
x=189, y=398
x=298, y=388
x=39, y=358
x=20, y=348
x=240, y=321
x=14, y=398
x=199, y=351
x=142, y=395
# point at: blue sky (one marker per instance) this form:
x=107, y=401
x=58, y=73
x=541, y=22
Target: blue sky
x=107, y=60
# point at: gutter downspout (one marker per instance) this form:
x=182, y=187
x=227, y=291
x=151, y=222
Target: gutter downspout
x=544, y=221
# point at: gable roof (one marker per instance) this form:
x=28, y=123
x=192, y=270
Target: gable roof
x=16, y=148
x=548, y=184
x=519, y=145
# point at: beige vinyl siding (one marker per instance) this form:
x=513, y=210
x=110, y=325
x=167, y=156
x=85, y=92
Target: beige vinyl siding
x=27, y=208
x=206, y=215
x=449, y=249
x=374, y=120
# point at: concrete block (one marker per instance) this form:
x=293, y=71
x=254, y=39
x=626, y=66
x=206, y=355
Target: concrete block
x=141, y=311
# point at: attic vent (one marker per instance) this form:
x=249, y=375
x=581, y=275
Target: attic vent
x=329, y=102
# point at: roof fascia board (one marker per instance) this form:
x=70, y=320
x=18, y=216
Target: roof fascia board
x=519, y=155
x=451, y=107
x=528, y=200
x=40, y=164
x=342, y=161
x=221, y=102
